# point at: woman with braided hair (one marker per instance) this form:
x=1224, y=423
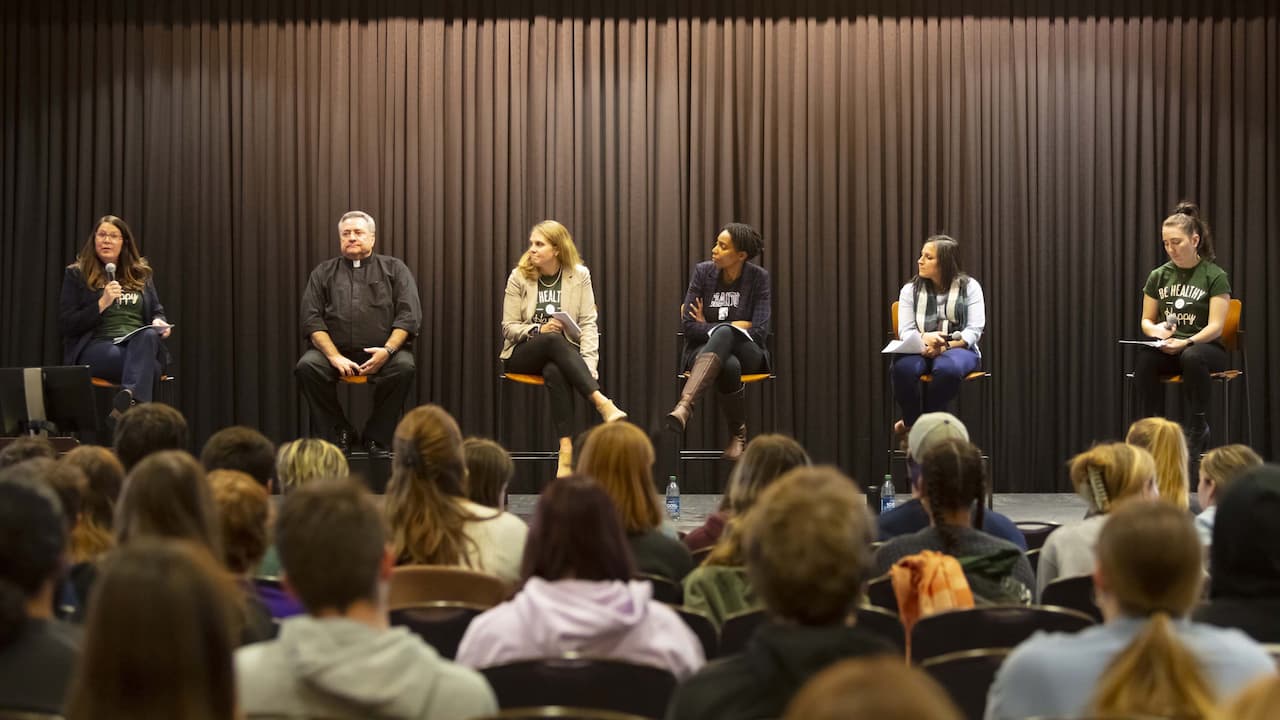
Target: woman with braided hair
x=432, y=521
x=1105, y=476
x=725, y=317
x=1184, y=304
x=955, y=485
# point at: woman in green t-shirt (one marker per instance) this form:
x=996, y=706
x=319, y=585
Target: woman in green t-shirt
x=1184, y=304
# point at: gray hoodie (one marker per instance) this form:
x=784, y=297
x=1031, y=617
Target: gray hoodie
x=339, y=668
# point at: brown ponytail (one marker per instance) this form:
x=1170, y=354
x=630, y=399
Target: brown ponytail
x=1155, y=675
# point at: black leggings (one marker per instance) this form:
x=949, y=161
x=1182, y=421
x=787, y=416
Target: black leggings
x=552, y=356
x=736, y=353
x=1194, y=364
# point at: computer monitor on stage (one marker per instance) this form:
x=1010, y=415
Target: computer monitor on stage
x=67, y=392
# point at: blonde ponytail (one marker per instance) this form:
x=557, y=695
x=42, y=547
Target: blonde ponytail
x=1155, y=675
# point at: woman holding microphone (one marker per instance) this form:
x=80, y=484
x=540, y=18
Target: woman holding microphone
x=108, y=293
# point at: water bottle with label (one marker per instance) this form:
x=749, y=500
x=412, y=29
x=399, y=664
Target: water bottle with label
x=888, y=500
x=673, y=499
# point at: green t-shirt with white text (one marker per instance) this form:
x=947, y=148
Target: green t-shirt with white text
x=1185, y=293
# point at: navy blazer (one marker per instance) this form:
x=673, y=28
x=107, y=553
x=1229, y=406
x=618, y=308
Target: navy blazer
x=79, y=318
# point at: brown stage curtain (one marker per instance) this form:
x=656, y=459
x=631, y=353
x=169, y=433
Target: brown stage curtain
x=1050, y=138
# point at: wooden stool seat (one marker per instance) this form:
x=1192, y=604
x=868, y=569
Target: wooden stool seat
x=524, y=378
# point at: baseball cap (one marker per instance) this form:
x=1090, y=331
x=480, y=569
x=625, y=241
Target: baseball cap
x=931, y=429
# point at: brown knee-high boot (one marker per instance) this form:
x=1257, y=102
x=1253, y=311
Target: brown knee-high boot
x=703, y=373
x=734, y=407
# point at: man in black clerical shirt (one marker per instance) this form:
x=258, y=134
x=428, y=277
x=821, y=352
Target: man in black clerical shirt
x=360, y=311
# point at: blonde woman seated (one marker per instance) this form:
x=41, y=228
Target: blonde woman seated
x=1219, y=467
x=1168, y=447
x=579, y=595
x=719, y=588
x=298, y=463
x=619, y=456
x=1147, y=659
x=1106, y=476
x=550, y=278
x=432, y=521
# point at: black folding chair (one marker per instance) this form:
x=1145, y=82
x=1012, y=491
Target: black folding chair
x=997, y=626
x=701, y=626
x=1036, y=532
x=440, y=623
x=583, y=682
x=738, y=629
x=967, y=676
x=880, y=593
x=664, y=589
x=883, y=623
x=1075, y=593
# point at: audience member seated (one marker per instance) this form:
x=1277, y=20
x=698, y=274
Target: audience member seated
x=955, y=488
x=909, y=517
x=1218, y=468
x=489, y=472
x=159, y=637
x=341, y=660
x=148, y=428
x=872, y=688
x=244, y=449
x=244, y=515
x=619, y=456
x=432, y=521
x=807, y=547
x=298, y=463
x=1107, y=477
x=167, y=496
x=1147, y=659
x=27, y=447
x=37, y=653
x=69, y=484
x=719, y=587
x=1165, y=441
x=1258, y=701
x=579, y=595
x=774, y=454
x=1245, y=557
x=105, y=477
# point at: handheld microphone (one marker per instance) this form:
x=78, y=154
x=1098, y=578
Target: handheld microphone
x=111, y=272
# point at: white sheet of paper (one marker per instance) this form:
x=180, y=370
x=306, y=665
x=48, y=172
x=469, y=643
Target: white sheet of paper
x=571, y=329
x=911, y=346
x=1148, y=343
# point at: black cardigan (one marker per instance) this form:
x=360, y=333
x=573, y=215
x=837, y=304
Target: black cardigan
x=79, y=318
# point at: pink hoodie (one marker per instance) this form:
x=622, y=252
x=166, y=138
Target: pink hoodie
x=595, y=618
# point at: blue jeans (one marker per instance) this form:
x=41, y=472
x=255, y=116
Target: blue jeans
x=948, y=369
x=134, y=363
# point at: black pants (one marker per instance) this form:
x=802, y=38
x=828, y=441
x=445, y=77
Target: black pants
x=552, y=356
x=1194, y=364
x=317, y=380
x=134, y=363
x=736, y=353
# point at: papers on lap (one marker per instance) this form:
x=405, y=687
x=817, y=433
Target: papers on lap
x=122, y=338
x=911, y=346
x=571, y=329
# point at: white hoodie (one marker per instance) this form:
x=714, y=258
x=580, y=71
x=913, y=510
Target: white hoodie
x=339, y=668
x=595, y=618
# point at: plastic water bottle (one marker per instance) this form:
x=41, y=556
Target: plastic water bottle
x=673, y=499
x=888, y=500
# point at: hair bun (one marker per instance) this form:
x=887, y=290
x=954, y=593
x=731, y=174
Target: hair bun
x=1186, y=207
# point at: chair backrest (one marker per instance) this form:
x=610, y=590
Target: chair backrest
x=1033, y=557
x=893, y=321
x=417, y=584
x=664, y=589
x=738, y=629
x=441, y=624
x=1231, y=326
x=1036, y=532
x=880, y=593
x=701, y=626
x=883, y=623
x=27, y=715
x=700, y=555
x=583, y=682
x=559, y=711
x=1074, y=593
x=967, y=676
x=999, y=626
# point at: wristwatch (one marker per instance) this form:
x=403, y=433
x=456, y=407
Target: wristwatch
x=390, y=352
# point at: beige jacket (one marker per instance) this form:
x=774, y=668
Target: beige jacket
x=576, y=298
